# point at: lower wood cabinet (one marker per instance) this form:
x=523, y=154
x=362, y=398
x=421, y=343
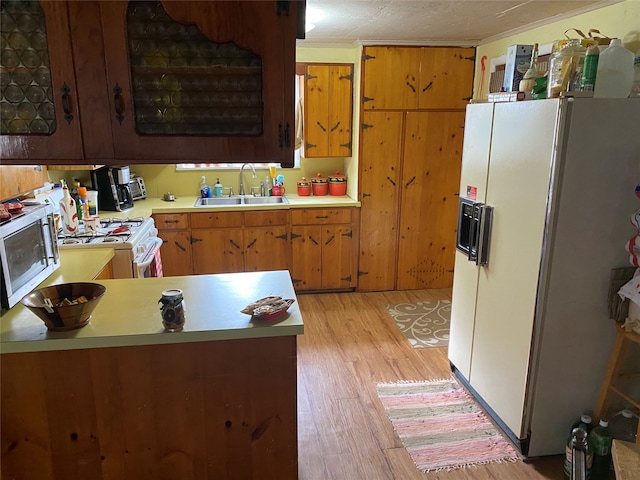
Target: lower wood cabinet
x=228, y=242
x=323, y=248
x=317, y=245
x=201, y=410
x=223, y=242
x=173, y=229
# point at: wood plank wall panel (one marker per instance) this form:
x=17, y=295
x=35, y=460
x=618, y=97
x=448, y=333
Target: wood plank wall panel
x=209, y=410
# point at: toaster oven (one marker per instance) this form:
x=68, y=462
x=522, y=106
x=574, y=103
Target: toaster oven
x=138, y=190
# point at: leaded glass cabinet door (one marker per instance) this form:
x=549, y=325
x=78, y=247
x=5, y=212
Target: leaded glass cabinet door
x=201, y=81
x=38, y=106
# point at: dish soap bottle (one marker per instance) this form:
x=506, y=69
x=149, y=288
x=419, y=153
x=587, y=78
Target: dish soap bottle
x=205, y=190
x=218, y=188
x=68, y=211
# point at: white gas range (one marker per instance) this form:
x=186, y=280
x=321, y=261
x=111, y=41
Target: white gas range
x=134, y=240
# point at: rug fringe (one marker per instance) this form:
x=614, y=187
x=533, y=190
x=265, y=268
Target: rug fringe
x=414, y=382
x=460, y=466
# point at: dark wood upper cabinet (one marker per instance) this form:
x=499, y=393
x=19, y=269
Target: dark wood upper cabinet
x=173, y=81
x=38, y=104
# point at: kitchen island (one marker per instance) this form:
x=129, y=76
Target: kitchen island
x=121, y=398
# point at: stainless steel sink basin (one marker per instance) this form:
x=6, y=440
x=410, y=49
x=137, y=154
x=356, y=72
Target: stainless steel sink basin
x=264, y=200
x=239, y=200
x=210, y=202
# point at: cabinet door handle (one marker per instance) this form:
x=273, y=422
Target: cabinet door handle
x=235, y=245
x=335, y=126
x=180, y=246
x=66, y=103
x=321, y=127
x=171, y=221
x=391, y=181
x=429, y=85
x=313, y=240
x=253, y=242
x=330, y=240
x=280, y=135
x=413, y=89
x=118, y=103
x=287, y=138
x=410, y=181
x=320, y=217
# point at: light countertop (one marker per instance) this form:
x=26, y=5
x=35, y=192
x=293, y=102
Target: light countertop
x=129, y=314
x=79, y=265
x=149, y=206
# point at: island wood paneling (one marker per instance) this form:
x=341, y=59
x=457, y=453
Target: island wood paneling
x=208, y=410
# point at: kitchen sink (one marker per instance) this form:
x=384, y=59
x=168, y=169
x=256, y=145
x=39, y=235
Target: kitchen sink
x=239, y=200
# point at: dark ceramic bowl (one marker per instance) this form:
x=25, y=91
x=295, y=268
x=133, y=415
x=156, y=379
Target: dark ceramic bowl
x=65, y=317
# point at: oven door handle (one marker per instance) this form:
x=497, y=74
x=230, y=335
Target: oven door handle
x=150, y=257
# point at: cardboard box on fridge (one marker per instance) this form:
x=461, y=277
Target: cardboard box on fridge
x=518, y=59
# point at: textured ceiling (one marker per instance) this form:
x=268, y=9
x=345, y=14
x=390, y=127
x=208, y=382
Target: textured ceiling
x=466, y=22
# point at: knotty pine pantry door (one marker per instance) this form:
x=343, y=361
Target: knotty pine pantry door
x=429, y=201
x=379, y=173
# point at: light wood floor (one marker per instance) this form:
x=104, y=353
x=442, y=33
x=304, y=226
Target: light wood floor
x=349, y=345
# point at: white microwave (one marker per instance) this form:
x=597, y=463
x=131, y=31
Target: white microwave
x=29, y=252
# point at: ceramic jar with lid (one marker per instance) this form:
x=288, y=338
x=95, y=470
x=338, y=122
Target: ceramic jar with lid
x=304, y=187
x=319, y=185
x=337, y=184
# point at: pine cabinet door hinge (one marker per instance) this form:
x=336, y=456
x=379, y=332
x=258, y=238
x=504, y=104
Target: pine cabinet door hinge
x=367, y=99
x=347, y=145
x=295, y=281
x=346, y=77
x=366, y=57
x=362, y=273
x=364, y=126
x=466, y=99
x=348, y=234
x=310, y=145
x=346, y=279
x=193, y=240
x=472, y=58
x=282, y=237
x=295, y=235
x=310, y=77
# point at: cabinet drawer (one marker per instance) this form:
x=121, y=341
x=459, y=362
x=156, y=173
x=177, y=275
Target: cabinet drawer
x=216, y=220
x=320, y=216
x=171, y=221
x=263, y=218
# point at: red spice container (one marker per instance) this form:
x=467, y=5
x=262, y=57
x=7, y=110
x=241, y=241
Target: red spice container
x=337, y=184
x=319, y=185
x=304, y=187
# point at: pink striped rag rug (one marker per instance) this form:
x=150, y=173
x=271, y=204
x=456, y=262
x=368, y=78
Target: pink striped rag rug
x=441, y=426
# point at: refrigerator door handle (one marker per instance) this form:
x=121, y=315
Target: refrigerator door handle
x=484, y=236
x=474, y=232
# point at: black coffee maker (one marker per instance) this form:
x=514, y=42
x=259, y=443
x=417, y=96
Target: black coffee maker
x=112, y=184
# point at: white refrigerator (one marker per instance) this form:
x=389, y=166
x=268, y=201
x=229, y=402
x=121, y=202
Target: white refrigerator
x=546, y=196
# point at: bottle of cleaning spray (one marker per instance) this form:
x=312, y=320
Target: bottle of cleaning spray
x=205, y=190
x=217, y=188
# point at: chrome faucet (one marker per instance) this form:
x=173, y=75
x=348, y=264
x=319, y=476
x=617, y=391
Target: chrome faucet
x=253, y=175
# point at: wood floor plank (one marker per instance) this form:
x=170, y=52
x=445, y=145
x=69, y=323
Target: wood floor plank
x=350, y=344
